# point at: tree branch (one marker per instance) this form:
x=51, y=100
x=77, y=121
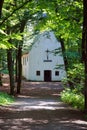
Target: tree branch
x=15, y=11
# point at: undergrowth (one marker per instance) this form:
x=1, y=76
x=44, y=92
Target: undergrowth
x=76, y=100
x=5, y=99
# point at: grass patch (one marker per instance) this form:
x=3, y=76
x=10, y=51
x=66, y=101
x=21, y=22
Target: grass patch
x=6, y=99
x=76, y=100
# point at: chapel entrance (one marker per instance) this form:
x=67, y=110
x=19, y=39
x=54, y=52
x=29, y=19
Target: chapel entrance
x=47, y=75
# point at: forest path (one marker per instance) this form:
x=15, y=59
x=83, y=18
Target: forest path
x=39, y=108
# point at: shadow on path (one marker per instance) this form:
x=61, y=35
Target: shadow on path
x=39, y=108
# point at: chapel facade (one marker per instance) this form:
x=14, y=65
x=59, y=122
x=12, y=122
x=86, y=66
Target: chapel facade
x=42, y=63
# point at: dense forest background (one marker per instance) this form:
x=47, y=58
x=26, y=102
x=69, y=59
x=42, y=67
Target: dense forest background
x=68, y=20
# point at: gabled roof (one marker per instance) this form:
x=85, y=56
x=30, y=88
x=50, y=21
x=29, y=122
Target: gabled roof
x=29, y=42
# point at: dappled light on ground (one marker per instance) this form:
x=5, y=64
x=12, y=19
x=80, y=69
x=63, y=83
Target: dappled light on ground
x=26, y=103
x=33, y=121
x=5, y=84
x=39, y=107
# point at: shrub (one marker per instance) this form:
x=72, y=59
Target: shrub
x=74, y=99
x=5, y=98
x=75, y=77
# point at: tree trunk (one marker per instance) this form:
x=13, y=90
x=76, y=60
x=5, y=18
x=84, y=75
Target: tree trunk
x=16, y=68
x=63, y=51
x=0, y=79
x=19, y=70
x=84, y=49
x=66, y=62
x=1, y=5
x=85, y=88
x=11, y=71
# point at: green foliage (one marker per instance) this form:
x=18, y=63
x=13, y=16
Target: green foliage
x=72, y=56
x=3, y=61
x=5, y=99
x=75, y=76
x=74, y=99
x=5, y=71
x=64, y=17
x=4, y=41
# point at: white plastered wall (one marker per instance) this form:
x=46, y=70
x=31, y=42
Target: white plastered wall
x=37, y=55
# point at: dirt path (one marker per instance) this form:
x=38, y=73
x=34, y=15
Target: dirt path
x=39, y=108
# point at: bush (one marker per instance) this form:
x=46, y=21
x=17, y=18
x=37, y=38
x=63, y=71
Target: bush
x=74, y=99
x=75, y=77
x=5, y=98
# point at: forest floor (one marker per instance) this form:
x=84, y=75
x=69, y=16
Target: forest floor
x=39, y=107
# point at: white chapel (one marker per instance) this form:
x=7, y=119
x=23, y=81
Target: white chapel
x=40, y=62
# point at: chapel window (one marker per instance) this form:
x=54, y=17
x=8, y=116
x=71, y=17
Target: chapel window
x=38, y=73
x=57, y=73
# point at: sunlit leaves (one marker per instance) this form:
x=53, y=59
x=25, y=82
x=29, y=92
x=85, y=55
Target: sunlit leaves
x=72, y=98
x=2, y=32
x=5, y=99
x=16, y=36
x=4, y=39
x=64, y=17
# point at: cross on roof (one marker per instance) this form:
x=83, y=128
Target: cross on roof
x=47, y=51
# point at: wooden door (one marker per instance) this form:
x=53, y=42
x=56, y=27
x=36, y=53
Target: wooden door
x=47, y=75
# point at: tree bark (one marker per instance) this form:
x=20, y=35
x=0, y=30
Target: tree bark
x=19, y=70
x=19, y=77
x=84, y=49
x=11, y=71
x=0, y=79
x=63, y=51
x=16, y=67
x=1, y=5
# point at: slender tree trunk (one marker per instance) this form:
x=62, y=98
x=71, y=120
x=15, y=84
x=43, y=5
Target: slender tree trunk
x=0, y=79
x=0, y=72
x=83, y=44
x=16, y=68
x=22, y=25
x=19, y=70
x=85, y=87
x=1, y=5
x=84, y=49
x=11, y=71
x=63, y=51
x=66, y=62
